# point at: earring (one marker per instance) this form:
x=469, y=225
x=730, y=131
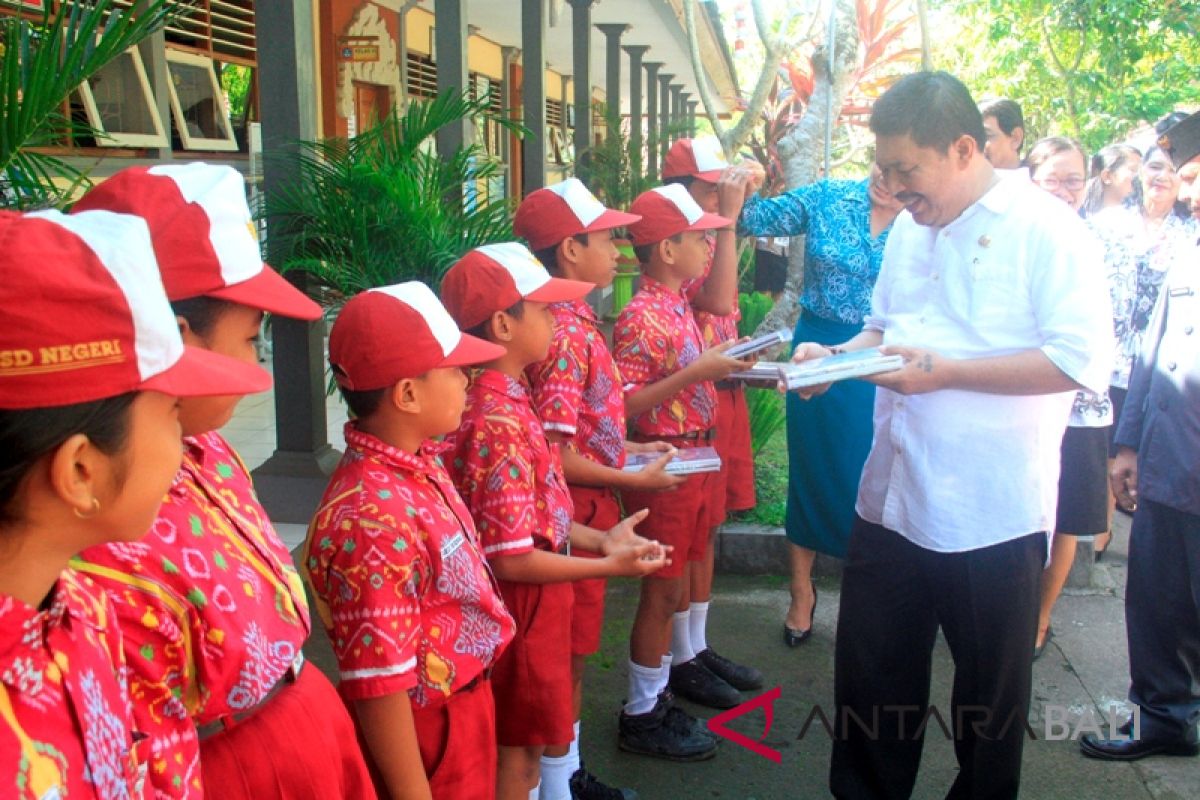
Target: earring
x=95, y=510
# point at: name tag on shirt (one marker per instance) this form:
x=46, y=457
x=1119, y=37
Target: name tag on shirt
x=452, y=545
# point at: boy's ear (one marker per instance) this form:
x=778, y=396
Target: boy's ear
x=666, y=251
x=502, y=328
x=404, y=396
x=568, y=250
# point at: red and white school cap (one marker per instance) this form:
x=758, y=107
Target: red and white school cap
x=203, y=234
x=494, y=277
x=549, y=215
x=668, y=210
x=384, y=335
x=86, y=318
x=701, y=158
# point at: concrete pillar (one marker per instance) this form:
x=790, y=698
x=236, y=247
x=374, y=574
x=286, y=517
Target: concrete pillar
x=612, y=69
x=636, y=160
x=291, y=481
x=507, y=56
x=677, y=109
x=664, y=113
x=450, y=41
x=652, y=68
x=533, y=94
x=581, y=58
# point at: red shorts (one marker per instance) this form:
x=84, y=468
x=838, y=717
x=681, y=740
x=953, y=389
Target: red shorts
x=682, y=517
x=271, y=753
x=458, y=744
x=597, y=508
x=532, y=679
x=733, y=445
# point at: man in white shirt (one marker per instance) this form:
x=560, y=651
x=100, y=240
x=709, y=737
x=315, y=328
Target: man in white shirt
x=985, y=292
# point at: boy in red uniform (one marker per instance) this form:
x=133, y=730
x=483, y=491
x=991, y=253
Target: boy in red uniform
x=576, y=390
x=698, y=672
x=392, y=555
x=669, y=395
x=511, y=478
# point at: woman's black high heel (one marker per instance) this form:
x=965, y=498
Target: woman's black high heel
x=795, y=638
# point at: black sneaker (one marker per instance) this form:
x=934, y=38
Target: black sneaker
x=649, y=735
x=584, y=786
x=679, y=720
x=736, y=675
x=693, y=680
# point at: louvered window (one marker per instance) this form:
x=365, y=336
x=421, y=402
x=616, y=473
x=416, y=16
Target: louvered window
x=222, y=29
x=422, y=76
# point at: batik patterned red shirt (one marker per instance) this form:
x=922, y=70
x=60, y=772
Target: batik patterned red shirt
x=509, y=474
x=577, y=389
x=656, y=335
x=66, y=727
x=400, y=583
x=714, y=328
x=211, y=607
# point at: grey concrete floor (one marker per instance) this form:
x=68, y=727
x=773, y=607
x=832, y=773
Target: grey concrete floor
x=1083, y=669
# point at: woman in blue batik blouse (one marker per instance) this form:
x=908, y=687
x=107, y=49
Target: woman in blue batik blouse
x=845, y=224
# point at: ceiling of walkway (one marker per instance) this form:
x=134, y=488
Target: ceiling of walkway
x=651, y=22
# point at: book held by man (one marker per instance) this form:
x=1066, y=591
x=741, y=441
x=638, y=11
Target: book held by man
x=839, y=367
x=686, y=461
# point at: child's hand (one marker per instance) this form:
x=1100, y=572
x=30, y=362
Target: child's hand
x=648, y=447
x=654, y=476
x=639, y=558
x=713, y=364
x=623, y=534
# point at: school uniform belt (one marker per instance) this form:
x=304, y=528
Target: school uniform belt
x=486, y=674
x=727, y=384
x=224, y=723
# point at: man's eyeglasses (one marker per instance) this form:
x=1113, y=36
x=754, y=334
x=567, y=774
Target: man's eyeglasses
x=1070, y=184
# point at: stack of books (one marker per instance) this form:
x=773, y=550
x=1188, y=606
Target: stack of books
x=686, y=461
x=840, y=367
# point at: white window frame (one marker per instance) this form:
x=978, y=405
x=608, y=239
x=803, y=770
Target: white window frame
x=123, y=138
x=190, y=142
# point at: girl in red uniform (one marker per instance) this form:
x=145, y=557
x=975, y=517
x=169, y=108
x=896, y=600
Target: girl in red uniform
x=211, y=606
x=91, y=363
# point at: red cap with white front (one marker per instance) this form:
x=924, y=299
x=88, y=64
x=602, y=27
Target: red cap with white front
x=494, y=277
x=384, y=335
x=96, y=324
x=203, y=235
x=554, y=213
x=668, y=210
x=702, y=157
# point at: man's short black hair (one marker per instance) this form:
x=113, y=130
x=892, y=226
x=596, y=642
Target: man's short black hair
x=549, y=255
x=1006, y=113
x=934, y=108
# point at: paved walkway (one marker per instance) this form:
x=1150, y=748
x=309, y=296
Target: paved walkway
x=1084, y=670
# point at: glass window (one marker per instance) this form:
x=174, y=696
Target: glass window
x=198, y=104
x=118, y=102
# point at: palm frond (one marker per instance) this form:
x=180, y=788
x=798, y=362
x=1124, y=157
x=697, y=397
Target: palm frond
x=43, y=61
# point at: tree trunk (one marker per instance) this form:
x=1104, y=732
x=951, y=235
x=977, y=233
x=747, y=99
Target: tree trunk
x=803, y=148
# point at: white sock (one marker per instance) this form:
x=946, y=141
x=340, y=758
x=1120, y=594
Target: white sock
x=533, y=793
x=664, y=676
x=556, y=778
x=643, y=689
x=681, y=638
x=573, y=753
x=697, y=622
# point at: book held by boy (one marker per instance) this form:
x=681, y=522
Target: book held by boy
x=687, y=461
x=839, y=367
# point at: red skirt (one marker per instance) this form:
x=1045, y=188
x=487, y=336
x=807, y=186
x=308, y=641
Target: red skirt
x=300, y=745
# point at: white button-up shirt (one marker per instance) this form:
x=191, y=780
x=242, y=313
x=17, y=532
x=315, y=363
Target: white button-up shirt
x=957, y=470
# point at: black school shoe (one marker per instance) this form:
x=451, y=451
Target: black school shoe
x=693, y=681
x=585, y=786
x=736, y=675
x=681, y=721
x=649, y=734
